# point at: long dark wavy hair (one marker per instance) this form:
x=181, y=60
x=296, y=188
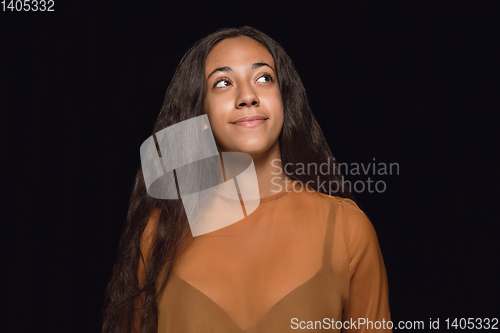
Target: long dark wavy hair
x=130, y=300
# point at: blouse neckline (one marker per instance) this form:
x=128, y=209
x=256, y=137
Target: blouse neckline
x=264, y=199
x=279, y=194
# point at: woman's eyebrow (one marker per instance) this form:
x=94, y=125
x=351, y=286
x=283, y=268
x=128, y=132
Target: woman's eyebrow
x=220, y=69
x=260, y=64
x=229, y=69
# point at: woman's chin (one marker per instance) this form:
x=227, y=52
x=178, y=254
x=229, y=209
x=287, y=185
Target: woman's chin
x=250, y=149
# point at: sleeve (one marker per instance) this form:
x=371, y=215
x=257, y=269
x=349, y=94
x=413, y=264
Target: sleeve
x=367, y=308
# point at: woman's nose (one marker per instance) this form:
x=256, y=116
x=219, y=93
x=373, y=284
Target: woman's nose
x=247, y=97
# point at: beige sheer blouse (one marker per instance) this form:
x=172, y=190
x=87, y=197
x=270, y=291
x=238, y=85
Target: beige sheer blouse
x=302, y=261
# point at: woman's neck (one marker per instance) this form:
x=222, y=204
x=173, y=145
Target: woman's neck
x=268, y=167
x=270, y=173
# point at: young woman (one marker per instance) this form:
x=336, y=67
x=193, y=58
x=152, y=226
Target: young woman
x=306, y=258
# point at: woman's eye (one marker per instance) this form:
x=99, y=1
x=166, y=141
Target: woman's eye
x=222, y=84
x=265, y=78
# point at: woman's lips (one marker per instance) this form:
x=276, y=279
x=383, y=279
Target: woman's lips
x=250, y=121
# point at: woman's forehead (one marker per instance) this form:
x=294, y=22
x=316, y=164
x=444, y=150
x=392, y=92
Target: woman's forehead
x=237, y=52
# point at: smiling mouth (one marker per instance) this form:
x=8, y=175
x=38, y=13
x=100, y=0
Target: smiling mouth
x=250, y=121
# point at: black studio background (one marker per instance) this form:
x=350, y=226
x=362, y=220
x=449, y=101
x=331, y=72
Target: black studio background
x=413, y=83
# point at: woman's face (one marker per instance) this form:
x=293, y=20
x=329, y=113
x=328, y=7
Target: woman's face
x=242, y=98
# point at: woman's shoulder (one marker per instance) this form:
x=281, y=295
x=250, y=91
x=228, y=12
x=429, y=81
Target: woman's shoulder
x=353, y=219
x=309, y=197
x=338, y=200
x=344, y=210
x=347, y=205
x=354, y=235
